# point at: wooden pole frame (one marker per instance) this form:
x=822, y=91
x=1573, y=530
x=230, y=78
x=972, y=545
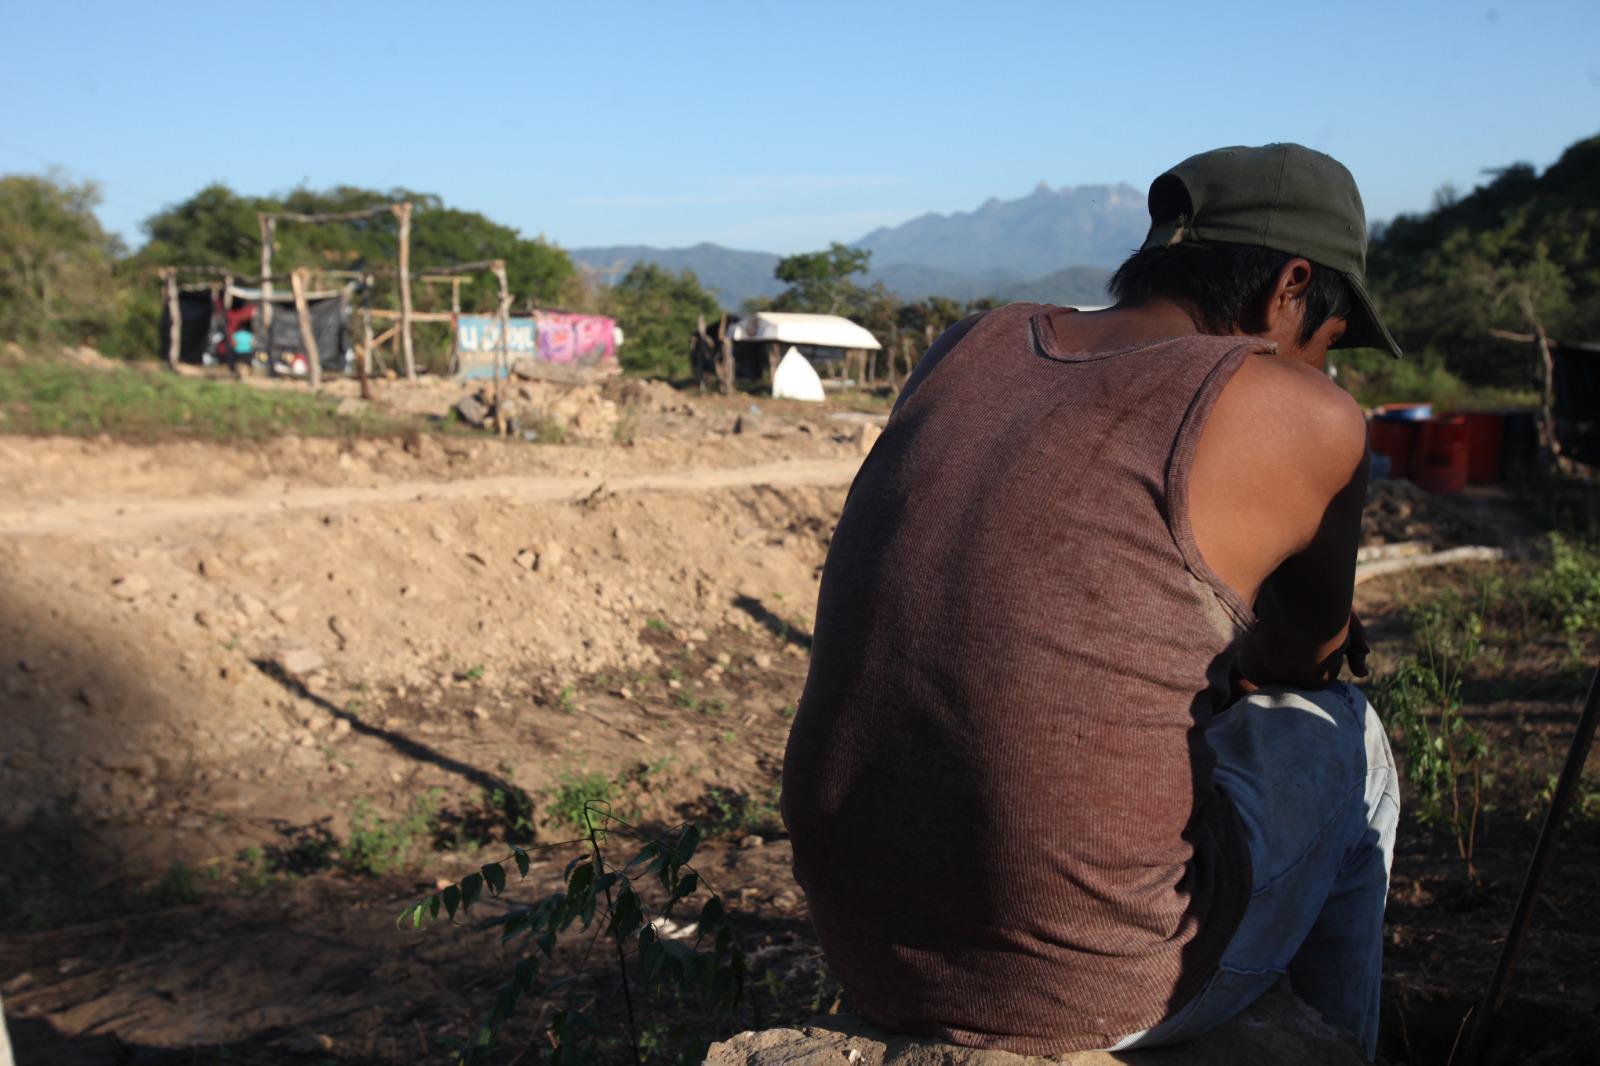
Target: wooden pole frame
x=169, y=280
x=402, y=213
x=308, y=336
x=267, y=228
x=502, y=351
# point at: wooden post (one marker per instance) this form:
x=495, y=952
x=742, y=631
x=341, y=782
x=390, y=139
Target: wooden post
x=366, y=342
x=724, y=358
x=227, y=334
x=264, y=340
x=499, y=269
x=169, y=278
x=1547, y=371
x=308, y=336
x=402, y=212
x=455, y=325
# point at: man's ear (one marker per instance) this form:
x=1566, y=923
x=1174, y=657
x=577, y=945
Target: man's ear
x=1285, y=303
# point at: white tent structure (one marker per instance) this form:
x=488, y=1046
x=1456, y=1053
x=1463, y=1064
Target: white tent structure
x=807, y=331
x=796, y=380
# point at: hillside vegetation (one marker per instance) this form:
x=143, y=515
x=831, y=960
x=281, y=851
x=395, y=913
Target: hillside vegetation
x=1523, y=248
x=1520, y=251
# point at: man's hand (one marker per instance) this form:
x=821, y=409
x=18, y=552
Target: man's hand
x=1356, y=648
x=1351, y=652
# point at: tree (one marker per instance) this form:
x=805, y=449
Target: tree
x=1519, y=252
x=217, y=227
x=657, y=310
x=819, y=282
x=56, y=263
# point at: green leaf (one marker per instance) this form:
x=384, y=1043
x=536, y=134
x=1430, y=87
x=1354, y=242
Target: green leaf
x=580, y=880
x=686, y=886
x=471, y=889
x=522, y=861
x=526, y=971
x=712, y=915
x=686, y=844
x=495, y=876
x=452, y=899
x=626, y=914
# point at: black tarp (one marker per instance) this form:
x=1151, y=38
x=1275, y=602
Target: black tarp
x=203, y=330
x=1576, y=377
x=329, y=321
x=195, y=309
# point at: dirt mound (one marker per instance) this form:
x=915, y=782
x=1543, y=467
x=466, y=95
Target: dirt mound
x=173, y=673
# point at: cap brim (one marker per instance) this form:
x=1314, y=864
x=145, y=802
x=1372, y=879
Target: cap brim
x=1365, y=329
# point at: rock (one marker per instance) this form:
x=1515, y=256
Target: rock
x=762, y=660
x=526, y=559
x=1278, y=1028
x=136, y=763
x=472, y=410
x=286, y=613
x=551, y=557
x=311, y=1043
x=350, y=406
x=478, y=714
x=751, y=842
x=130, y=586
x=298, y=661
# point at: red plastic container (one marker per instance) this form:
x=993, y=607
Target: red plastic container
x=1396, y=438
x=1485, y=433
x=1440, y=462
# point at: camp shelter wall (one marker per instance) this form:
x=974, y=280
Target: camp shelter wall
x=330, y=324
x=1575, y=373
x=196, y=310
x=205, y=330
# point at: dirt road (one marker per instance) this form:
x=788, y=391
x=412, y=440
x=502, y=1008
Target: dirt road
x=119, y=516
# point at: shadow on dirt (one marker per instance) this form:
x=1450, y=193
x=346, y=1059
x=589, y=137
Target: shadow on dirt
x=775, y=624
x=401, y=743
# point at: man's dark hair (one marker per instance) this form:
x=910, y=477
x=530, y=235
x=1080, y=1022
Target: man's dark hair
x=1225, y=287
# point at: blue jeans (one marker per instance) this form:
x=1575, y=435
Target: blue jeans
x=1315, y=785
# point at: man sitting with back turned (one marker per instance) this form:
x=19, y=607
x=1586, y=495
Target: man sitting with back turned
x=1024, y=812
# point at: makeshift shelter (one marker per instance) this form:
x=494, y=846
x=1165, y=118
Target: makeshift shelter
x=825, y=340
x=1575, y=372
x=208, y=319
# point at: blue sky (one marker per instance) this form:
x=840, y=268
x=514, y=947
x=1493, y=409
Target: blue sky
x=777, y=126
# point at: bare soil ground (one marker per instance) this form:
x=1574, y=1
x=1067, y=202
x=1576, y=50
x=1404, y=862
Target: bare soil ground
x=258, y=698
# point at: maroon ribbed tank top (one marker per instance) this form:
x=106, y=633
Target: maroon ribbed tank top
x=997, y=784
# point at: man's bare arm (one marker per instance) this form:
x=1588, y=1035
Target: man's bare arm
x=1276, y=496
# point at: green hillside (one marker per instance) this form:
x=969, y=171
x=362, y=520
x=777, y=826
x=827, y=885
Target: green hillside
x=1523, y=247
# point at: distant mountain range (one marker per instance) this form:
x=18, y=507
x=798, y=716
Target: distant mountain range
x=1053, y=245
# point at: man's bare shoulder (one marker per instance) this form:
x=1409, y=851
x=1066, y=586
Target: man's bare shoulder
x=1299, y=414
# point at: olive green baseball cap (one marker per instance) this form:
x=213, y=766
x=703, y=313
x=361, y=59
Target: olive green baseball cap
x=1280, y=196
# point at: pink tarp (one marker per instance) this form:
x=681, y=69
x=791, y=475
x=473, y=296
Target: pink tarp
x=586, y=340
